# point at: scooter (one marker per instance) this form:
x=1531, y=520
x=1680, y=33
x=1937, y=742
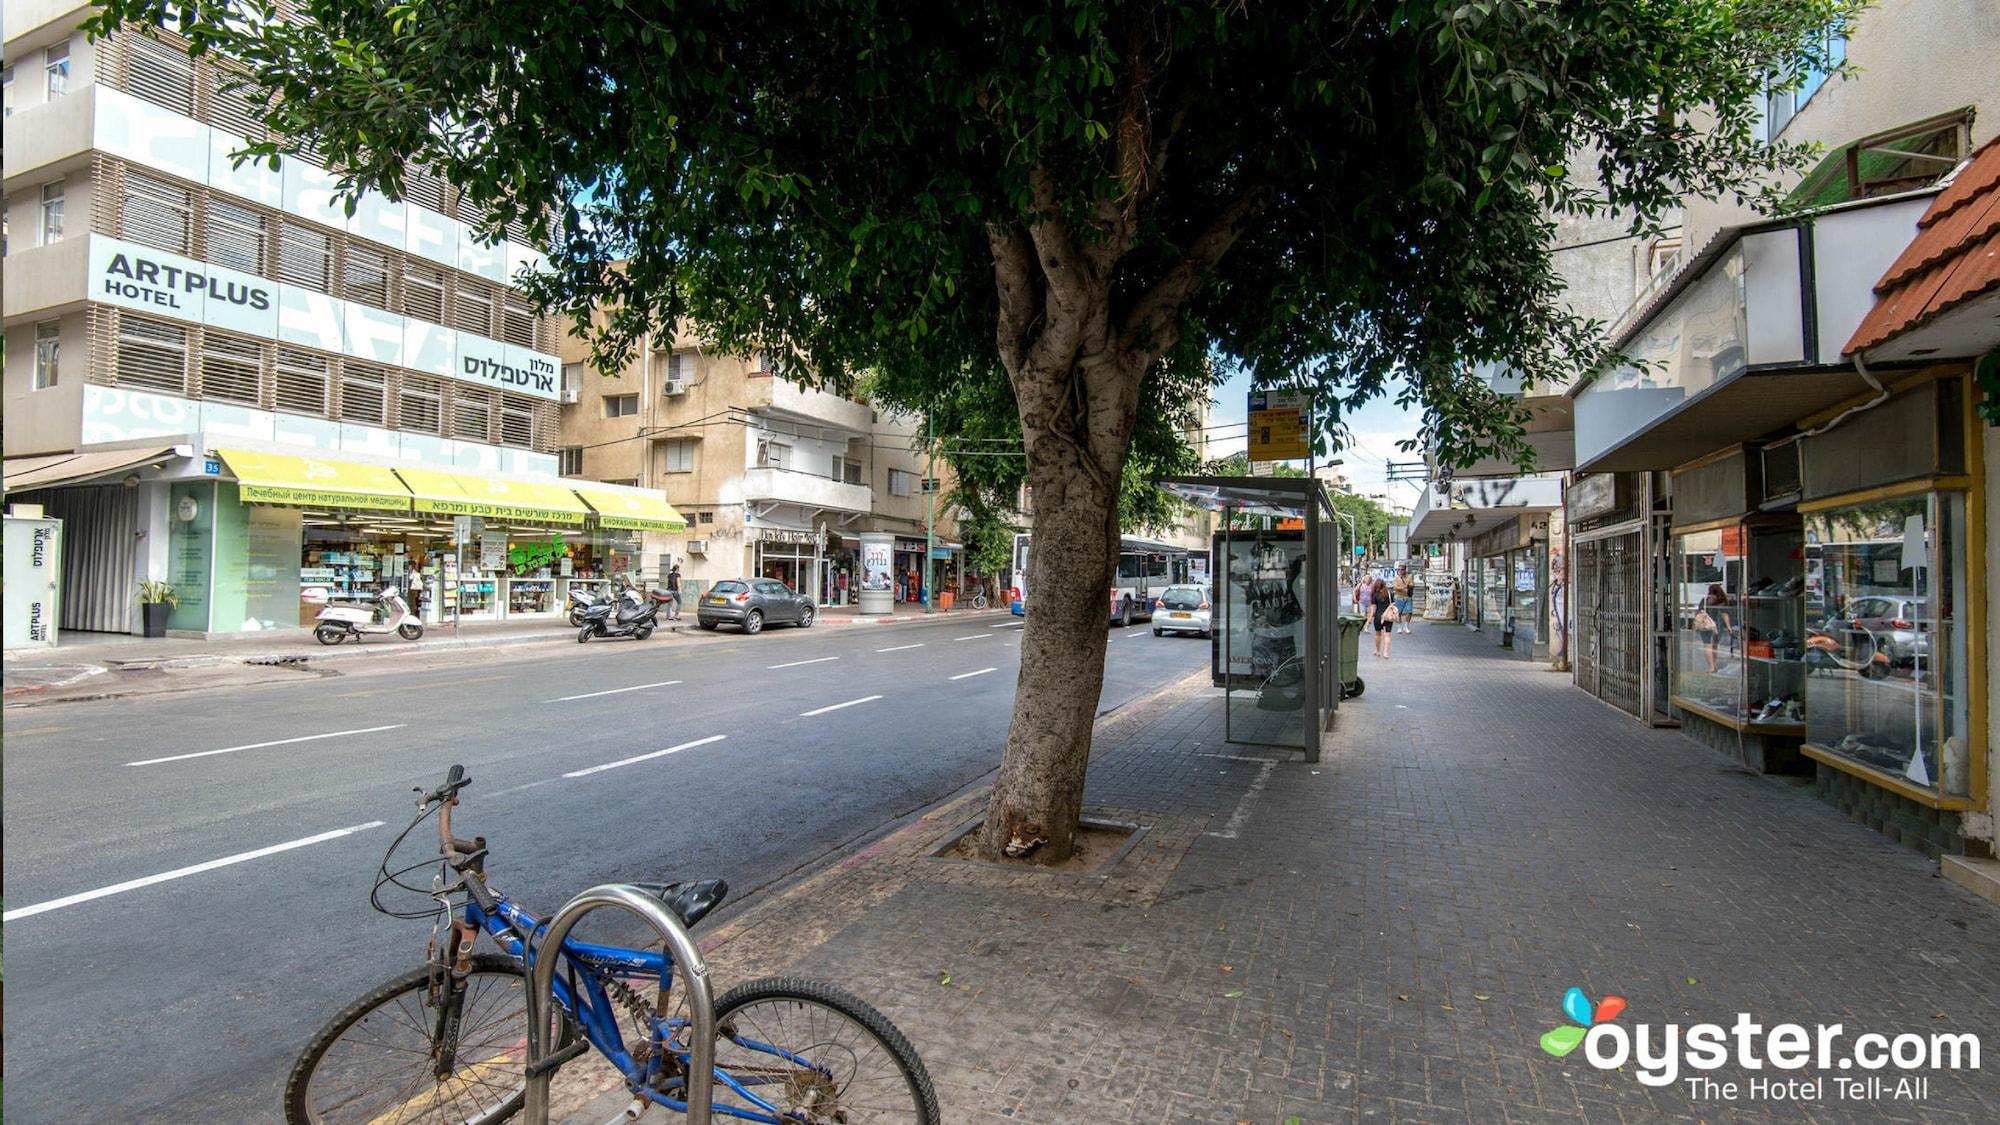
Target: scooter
x=581, y=599
x=1826, y=654
x=622, y=617
x=389, y=614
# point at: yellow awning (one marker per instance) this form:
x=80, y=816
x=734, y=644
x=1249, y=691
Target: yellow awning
x=463, y=494
x=315, y=482
x=638, y=511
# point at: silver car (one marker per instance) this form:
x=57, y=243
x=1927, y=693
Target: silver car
x=752, y=603
x=1183, y=609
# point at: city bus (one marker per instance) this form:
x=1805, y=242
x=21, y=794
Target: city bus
x=1145, y=567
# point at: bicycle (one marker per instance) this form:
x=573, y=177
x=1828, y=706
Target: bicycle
x=447, y=1042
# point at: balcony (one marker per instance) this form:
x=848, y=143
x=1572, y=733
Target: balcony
x=807, y=490
x=817, y=407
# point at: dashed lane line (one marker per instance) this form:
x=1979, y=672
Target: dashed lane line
x=261, y=745
x=796, y=663
x=973, y=637
x=969, y=675
x=183, y=872
x=614, y=691
x=838, y=706
x=899, y=648
x=646, y=757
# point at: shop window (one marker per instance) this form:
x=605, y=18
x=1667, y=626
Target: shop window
x=230, y=368
x=152, y=354
x=423, y=293
x=572, y=461
x=48, y=353
x=301, y=383
x=155, y=213
x=901, y=483
x=236, y=237
x=1740, y=625
x=517, y=321
x=364, y=393
x=1888, y=686
x=305, y=258
x=159, y=73
x=621, y=406
x=471, y=414
x=677, y=456
x=420, y=406
x=364, y=277
x=56, y=71
x=52, y=212
x=472, y=309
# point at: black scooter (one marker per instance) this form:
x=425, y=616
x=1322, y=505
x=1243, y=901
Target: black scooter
x=580, y=599
x=622, y=617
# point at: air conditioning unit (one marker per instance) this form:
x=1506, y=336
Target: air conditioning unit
x=571, y=394
x=697, y=546
x=673, y=386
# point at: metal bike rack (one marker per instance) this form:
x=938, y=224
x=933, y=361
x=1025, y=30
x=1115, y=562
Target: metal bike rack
x=687, y=959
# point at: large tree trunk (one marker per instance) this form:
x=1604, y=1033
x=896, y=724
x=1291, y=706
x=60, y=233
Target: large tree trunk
x=1039, y=793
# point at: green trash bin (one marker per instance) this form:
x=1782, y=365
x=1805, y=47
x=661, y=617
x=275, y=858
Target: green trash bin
x=1350, y=655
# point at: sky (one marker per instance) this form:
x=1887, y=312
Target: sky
x=1376, y=427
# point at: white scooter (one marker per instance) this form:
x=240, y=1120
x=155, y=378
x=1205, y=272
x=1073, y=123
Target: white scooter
x=389, y=614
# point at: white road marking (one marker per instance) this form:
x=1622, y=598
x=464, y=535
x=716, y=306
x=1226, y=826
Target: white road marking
x=973, y=637
x=183, y=872
x=1241, y=816
x=899, y=648
x=646, y=757
x=838, y=706
x=615, y=691
x=796, y=663
x=1008, y=625
x=1135, y=632
x=969, y=675
x=261, y=745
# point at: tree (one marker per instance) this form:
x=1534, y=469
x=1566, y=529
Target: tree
x=1075, y=200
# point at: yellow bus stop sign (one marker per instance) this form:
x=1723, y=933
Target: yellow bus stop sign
x=1280, y=425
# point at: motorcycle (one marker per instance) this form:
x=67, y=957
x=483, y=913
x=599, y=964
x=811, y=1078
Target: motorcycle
x=389, y=614
x=581, y=599
x=631, y=616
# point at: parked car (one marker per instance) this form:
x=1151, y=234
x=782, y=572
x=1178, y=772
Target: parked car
x=1183, y=609
x=1898, y=627
x=752, y=603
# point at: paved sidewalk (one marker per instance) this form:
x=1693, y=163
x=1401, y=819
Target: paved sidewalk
x=1389, y=933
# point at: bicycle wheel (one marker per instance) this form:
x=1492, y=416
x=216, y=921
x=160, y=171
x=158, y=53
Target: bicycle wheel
x=374, y=1063
x=819, y=1054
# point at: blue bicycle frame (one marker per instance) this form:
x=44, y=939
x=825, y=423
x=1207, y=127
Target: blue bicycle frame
x=595, y=1015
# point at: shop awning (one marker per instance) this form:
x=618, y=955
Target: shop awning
x=51, y=469
x=463, y=494
x=315, y=482
x=639, y=511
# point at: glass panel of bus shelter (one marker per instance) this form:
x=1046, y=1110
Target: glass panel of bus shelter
x=1262, y=582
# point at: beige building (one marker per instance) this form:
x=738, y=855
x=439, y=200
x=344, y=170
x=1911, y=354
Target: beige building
x=775, y=480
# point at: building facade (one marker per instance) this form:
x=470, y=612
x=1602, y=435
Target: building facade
x=775, y=480
x=219, y=378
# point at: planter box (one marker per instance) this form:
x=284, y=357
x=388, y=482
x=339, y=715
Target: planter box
x=155, y=615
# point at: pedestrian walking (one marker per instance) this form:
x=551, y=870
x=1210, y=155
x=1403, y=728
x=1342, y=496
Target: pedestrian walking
x=1384, y=608
x=1404, y=593
x=1363, y=589
x=674, y=593
x=416, y=594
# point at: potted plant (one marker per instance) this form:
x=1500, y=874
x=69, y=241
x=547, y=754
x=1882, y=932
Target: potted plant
x=156, y=601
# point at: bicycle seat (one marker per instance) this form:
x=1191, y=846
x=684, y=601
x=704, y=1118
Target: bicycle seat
x=690, y=902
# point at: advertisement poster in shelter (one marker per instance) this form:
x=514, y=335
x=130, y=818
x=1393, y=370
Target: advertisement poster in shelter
x=1263, y=588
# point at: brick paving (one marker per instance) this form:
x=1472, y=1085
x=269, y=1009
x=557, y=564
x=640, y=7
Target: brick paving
x=1388, y=933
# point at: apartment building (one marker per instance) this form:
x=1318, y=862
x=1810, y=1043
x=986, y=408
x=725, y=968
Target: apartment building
x=218, y=378
x=774, y=479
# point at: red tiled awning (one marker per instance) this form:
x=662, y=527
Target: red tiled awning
x=1954, y=257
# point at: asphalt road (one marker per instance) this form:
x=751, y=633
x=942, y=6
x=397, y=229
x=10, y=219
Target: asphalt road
x=188, y=997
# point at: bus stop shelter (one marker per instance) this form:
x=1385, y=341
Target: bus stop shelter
x=1276, y=606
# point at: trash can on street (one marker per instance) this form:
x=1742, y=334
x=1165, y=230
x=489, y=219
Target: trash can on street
x=1350, y=655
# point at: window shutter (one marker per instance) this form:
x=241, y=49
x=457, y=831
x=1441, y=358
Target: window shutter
x=155, y=213
x=152, y=354
x=231, y=368
x=301, y=383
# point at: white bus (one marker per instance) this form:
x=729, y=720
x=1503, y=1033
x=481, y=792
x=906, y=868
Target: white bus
x=1145, y=567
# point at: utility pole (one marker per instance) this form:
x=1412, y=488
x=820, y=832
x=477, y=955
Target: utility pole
x=930, y=516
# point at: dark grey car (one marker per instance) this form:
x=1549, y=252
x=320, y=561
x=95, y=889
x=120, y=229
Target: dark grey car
x=752, y=603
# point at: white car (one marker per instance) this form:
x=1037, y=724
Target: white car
x=1182, y=609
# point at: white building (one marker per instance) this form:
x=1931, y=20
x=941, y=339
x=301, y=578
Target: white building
x=218, y=378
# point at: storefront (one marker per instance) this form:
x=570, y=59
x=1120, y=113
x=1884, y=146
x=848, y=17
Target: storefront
x=789, y=555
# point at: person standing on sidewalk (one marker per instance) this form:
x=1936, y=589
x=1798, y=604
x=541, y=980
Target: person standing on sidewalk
x=1362, y=590
x=1383, y=607
x=674, y=589
x=1405, y=595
